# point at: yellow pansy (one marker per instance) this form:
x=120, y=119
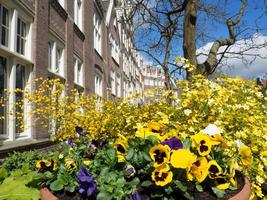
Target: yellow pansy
x=154, y=126
x=46, y=165
x=182, y=158
x=202, y=142
x=246, y=155
x=223, y=186
x=160, y=154
x=70, y=164
x=214, y=169
x=162, y=175
x=199, y=170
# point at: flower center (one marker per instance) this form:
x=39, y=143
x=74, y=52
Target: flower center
x=160, y=176
x=159, y=156
x=203, y=148
x=120, y=148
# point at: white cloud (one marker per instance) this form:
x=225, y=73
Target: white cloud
x=246, y=66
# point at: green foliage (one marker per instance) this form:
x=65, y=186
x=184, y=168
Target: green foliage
x=16, y=160
x=15, y=187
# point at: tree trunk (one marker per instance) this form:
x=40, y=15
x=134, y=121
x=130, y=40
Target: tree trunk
x=189, y=42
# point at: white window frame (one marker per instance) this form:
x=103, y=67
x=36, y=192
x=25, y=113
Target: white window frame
x=118, y=85
x=62, y=3
x=97, y=34
x=3, y=26
x=78, y=71
x=78, y=13
x=98, y=85
x=113, y=82
x=56, y=58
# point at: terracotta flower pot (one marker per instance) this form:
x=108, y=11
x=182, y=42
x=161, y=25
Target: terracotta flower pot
x=47, y=195
x=244, y=194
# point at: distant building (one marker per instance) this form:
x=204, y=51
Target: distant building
x=153, y=76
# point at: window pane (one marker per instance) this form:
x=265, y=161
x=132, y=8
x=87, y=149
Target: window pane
x=3, y=79
x=4, y=25
x=20, y=84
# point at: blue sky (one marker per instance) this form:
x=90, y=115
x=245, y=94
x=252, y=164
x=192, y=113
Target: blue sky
x=218, y=29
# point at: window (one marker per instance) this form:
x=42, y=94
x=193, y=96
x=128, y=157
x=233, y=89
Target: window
x=78, y=13
x=78, y=72
x=112, y=82
x=55, y=58
x=3, y=84
x=98, y=86
x=114, y=49
x=59, y=60
x=61, y=2
x=118, y=80
x=21, y=36
x=19, y=98
x=97, y=34
x=4, y=25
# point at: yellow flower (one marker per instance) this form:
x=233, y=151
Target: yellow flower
x=246, y=155
x=154, y=126
x=162, y=175
x=46, y=165
x=202, y=142
x=199, y=170
x=182, y=158
x=70, y=164
x=214, y=169
x=121, y=146
x=86, y=162
x=223, y=186
x=60, y=156
x=160, y=154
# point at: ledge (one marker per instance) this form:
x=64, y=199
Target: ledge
x=24, y=145
x=78, y=32
x=60, y=10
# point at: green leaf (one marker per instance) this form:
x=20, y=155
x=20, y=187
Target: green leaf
x=135, y=181
x=199, y=188
x=188, y=196
x=180, y=185
x=48, y=175
x=3, y=173
x=146, y=157
x=219, y=193
x=104, y=196
x=14, y=188
x=130, y=154
x=56, y=185
x=111, y=153
x=146, y=184
x=187, y=143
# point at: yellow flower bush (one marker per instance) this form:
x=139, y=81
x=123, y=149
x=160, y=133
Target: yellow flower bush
x=236, y=106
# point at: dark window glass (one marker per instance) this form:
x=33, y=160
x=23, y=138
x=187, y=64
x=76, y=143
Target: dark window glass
x=20, y=84
x=4, y=25
x=3, y=80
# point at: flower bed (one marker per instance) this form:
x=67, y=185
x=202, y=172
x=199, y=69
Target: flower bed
x=157, y=150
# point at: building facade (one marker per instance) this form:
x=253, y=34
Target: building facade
x=84, y=43
x=153, y=76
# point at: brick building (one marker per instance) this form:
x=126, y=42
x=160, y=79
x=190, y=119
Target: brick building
x=84, y=43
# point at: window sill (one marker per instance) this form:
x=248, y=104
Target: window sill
x=99, y=55
x=55, y=75
x=78, y=32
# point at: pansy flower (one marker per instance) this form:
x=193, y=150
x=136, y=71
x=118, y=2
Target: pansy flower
x=130, y=171
x=136, y=196
x=202, y=142
x=182, y=158
x=46, y=165
x=121, y=145
x=70, y=164
x=86, y=182
x=162, y=175
x=214, y=169
x=154, y=126
x=174, y=143
x=198, y=170
x=78, y=129
x=160, y=154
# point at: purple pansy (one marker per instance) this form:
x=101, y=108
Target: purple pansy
x=136, y=196
x=71, y=143
x=78, y=129
x=87, y=182
x=174, y=143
